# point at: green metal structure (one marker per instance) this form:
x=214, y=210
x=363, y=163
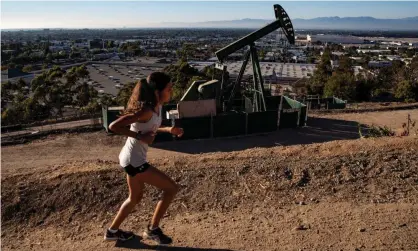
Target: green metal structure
x=256, y=92
x=110, y=114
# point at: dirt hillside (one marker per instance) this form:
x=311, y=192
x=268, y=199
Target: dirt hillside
x=354, y=194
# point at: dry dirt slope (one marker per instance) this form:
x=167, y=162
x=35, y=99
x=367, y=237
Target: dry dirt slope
x=340, y=195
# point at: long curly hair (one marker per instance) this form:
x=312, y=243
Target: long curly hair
x=143, y=95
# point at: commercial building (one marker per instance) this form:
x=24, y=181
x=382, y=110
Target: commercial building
x=272, y=72
x=336, y=39
x=373, y=51
x=379, y=64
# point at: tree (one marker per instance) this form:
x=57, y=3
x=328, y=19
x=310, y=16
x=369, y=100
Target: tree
x=413, y=70
x=384, y=79
x=366, y=60
x=46, y=49
x=62, y=54
x=137, y=51
x=125, y=93
x=77, y=73
x=410, y=53
x=211, y=72
x=106, y=100
x=49, y=91
x=400, y=74
x=74, y=54
x=33, y=110
x=11, y=116
x=27, y=68
x=92, y=107
x=311, y=60
x=7, y=89
x=364, y=86
x=321, y=74
x=132, y=48
x=345, y=65
x=341, y=85
x=85, y=96
x=110, y=44
x=261, y=53
x=82, y=72
x=22, y=87
x=9, y=92
x=181, y=75
x=21, y=109
x=407, y=90
x=186, y=51
x=48, y=58
x=352, y=51
x=11, y=65
x=123, y=47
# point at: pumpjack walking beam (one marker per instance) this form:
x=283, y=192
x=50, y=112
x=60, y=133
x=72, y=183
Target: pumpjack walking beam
x=282, y=21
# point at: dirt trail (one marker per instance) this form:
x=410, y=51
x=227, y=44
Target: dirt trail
x=340, y=195
x=391, y=119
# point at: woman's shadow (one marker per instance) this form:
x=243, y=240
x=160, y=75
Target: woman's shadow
x=135, y=243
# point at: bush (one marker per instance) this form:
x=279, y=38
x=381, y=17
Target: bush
x=407, y=90
x=376, y=131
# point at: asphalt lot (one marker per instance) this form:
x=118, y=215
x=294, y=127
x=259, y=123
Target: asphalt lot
x=109, y=78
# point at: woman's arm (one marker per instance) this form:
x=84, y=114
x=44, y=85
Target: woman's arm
x=173, y=130
x=164, y=129
x=120, y=126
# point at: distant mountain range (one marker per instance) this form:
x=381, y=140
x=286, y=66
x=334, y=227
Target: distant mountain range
x=346, y=23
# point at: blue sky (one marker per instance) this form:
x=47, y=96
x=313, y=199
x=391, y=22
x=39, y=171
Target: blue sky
x=116, y=14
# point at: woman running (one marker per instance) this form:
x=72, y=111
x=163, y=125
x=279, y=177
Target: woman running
x=143, y=115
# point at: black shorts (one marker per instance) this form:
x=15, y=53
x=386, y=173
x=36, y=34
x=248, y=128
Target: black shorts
x=132, y=170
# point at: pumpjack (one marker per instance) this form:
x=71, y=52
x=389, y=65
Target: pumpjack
x=254, y=94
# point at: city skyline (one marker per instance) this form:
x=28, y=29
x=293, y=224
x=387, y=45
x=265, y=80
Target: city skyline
x=31, y=15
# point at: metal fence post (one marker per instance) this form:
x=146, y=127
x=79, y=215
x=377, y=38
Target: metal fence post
x=211, y=125
x=409, y=118
x=280, y=111
x=246, y=123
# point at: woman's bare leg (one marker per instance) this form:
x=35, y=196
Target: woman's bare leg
x=156, y=178
x=136, y=190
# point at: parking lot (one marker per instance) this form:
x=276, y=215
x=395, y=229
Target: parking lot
x=109, y=78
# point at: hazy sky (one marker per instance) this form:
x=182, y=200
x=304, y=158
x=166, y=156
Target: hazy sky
x=116, y=14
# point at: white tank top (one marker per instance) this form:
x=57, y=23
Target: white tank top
x=134, y=152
